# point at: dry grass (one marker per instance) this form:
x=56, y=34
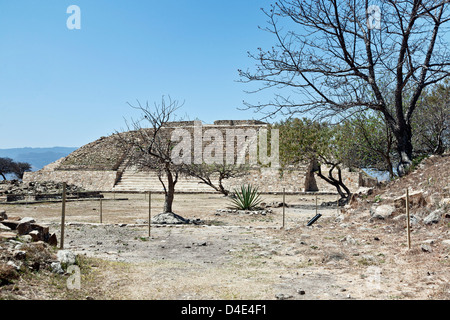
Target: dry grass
x=248, y=256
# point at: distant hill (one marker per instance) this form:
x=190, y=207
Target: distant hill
x=37, y=157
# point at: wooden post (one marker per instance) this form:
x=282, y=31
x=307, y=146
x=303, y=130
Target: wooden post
x=316, y=204
x=63, y=215
x=101, y=211
x=408, y=225
x=284, y=205
x=149, y=212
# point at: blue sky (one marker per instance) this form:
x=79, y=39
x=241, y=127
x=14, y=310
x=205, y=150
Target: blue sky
x=61, y=87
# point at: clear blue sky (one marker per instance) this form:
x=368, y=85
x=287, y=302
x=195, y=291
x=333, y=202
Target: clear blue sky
x=61, y=87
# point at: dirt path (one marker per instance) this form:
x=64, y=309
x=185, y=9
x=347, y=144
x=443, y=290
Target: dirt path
x=236, y=256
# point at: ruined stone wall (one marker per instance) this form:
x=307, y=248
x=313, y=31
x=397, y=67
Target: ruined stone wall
x=271, y=180
x=98, y=165
x=267, y=180
x=89, y=180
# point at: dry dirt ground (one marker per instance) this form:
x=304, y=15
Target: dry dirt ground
x=241, y=256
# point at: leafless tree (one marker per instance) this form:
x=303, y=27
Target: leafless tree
x=213, y=175
x=149, y=145
x=6, y=166
x=329, y=60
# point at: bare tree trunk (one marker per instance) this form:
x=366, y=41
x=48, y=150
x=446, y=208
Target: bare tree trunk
x=341, y=188
x=404, y=149
x=169, y=191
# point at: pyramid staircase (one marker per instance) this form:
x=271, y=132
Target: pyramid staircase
x=134, y=180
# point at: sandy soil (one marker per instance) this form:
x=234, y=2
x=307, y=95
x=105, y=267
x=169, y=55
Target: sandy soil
x=241, y=256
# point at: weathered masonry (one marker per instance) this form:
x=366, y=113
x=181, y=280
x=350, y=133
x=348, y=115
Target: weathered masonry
x=102, y=165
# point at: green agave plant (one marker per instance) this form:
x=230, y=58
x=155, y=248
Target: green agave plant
x=246, y=198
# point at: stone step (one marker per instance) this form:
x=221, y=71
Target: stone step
x=148, y=181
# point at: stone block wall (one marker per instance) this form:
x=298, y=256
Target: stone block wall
x=88, y=180
x=271, y=180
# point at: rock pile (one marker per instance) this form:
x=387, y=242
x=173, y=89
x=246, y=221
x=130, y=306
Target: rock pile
x=249, y=212
x=15, y=190
x=15, y=187
x=172, y=218
x=12, y=227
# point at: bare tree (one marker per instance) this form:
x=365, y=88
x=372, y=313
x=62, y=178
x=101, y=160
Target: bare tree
x=334, y=59
x=213, y=175
x=149, y=144
x=6, y=166
x=19, y=168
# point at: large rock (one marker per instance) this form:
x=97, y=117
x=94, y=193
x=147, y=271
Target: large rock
x=53, y=240
x=4, y=228
x=3, y=215
x=382, y=212
x=434, y=217
x=66, y=257
x=169, y=218
x=415, y=199
x=11, y=224
x=24, y=228
x=27, y=220
x=7, y=235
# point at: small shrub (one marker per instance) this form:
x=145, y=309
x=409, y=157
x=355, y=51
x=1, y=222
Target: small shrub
x=377, y=199
x=247, y=198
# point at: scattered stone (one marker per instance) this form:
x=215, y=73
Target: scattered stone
x=426, y=248
x=7, y=235
x=3, y=215
x=415, y=199
x=13, y=264
x=413, y=219
x=446, y=243
x=141, y=221
x=56, y=267
x=19, y=254
x=301, y=292
x=433, y=217
x=349, y=240
x=11, y=224
x=52, y=240
x=382, y=212
x=17, y=219
x=282, y=296
x=27, y=238
x=24, y=228
x=169, y=218
x=4, y=228
x=27, y=220
x=276, y=204
x=66, y=257
x=35, y=235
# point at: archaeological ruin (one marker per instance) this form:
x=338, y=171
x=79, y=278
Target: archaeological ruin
x=102, y=165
